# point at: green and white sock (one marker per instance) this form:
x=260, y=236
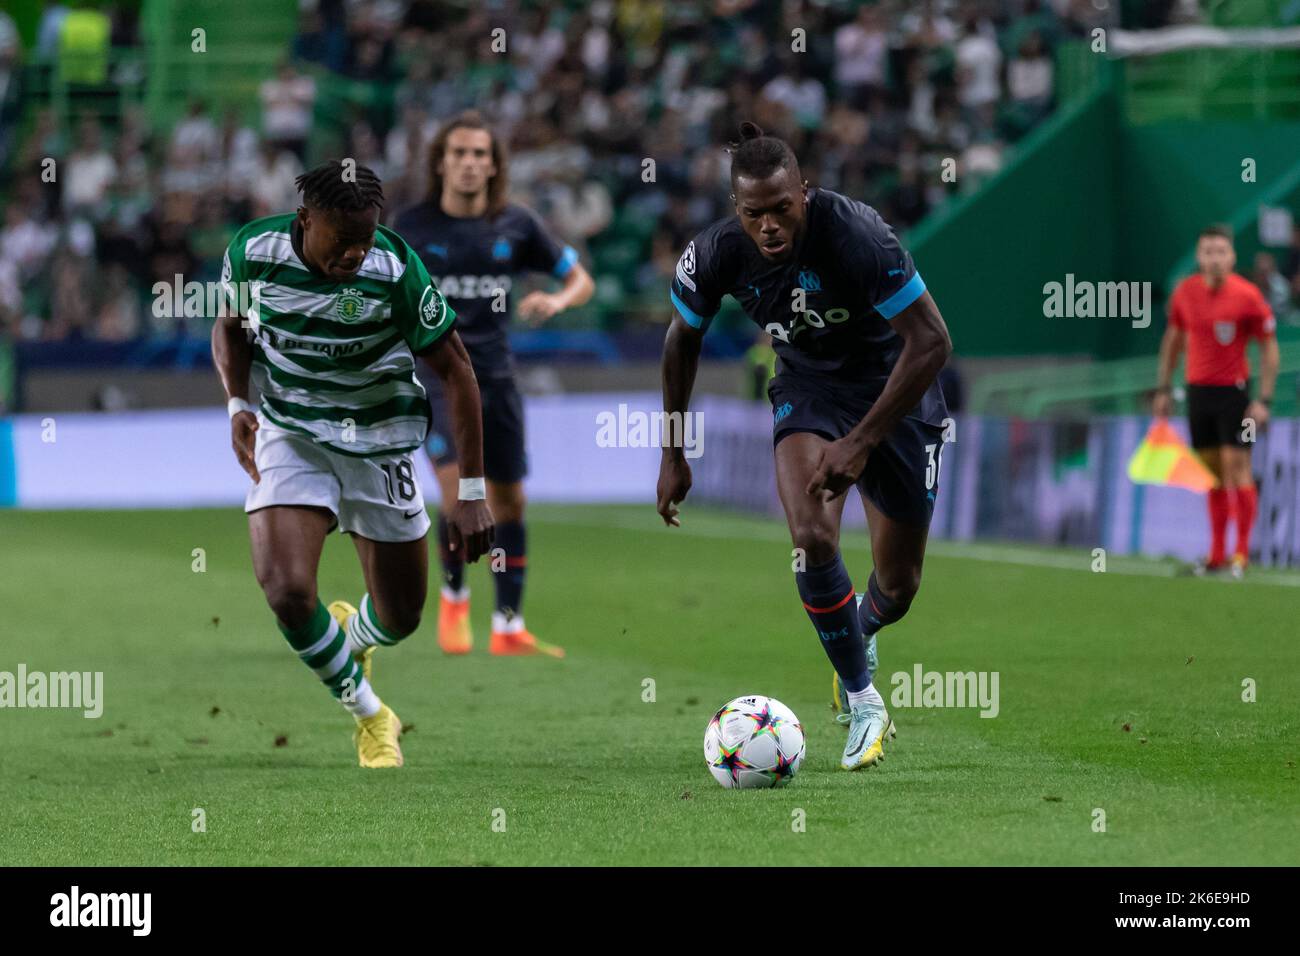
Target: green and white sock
x=324, y=647
x=364, y=629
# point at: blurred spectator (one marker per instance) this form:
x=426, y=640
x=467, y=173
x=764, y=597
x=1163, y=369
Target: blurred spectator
x=25, y=242
x=84, y=37
x=47, y=33
x=195, y=138
x=861, y=54
x=577, y=207
x=45, y=141
x=364, y=147
x=287, y=103
x=979, y=66
x=803, y=95
x=87, y=172
x=10, y=60
x=70, y=304
x=405, y=151
x=540, y=44
x=371, y=61
x=1291, y=262
x=238, y=150
x=118, y=311
x=1271, y=282
x=11, y=307
x=322, y=35
x=1029, y=82
x=273, y=188
x=582, y=96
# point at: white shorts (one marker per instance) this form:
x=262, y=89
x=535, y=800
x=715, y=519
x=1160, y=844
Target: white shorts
x=377, y=498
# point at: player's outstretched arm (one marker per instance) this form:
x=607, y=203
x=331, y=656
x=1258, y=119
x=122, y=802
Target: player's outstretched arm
x=470, y=521
x=680, y=363
x=926, y=347
x=232, y=354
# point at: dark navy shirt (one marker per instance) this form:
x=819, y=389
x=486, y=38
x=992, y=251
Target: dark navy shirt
x=474, y=261
x=827, y=307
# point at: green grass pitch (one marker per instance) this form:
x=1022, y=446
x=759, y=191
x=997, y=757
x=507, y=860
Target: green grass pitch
x=1120, y=691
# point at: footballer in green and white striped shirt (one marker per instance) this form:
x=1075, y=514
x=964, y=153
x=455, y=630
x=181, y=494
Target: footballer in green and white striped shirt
x=338, y=311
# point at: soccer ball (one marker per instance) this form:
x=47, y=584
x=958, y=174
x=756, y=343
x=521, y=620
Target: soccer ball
x=754, y=742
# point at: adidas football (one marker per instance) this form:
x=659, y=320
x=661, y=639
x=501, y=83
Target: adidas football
x=754, y=742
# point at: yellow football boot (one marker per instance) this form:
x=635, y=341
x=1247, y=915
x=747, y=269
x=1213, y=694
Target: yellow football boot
x=376, y=739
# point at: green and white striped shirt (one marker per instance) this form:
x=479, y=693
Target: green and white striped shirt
x=336, y=360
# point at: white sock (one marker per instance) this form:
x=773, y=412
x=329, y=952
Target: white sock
x=453, y=595
x=507, y=625
x=365, y=702
x=868, y=695
x=353, y=635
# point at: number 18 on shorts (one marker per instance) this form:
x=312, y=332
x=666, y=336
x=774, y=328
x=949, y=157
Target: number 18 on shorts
x=378, y=498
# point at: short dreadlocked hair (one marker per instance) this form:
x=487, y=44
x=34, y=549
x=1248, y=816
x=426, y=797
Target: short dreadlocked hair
x=757, y=155
x=325, y=188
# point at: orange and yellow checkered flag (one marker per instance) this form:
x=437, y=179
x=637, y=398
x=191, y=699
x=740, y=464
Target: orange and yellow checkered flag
x=1164, y=459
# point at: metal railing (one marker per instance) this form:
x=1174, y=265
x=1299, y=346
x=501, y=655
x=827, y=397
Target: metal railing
x=1117, y=386
x=1208, y=84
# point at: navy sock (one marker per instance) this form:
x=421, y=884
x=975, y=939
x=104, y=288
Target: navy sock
x=878, y=609
x=509, y=580
x=827, y=595
x=453, y=568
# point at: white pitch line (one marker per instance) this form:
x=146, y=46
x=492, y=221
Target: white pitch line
x=1127, y=566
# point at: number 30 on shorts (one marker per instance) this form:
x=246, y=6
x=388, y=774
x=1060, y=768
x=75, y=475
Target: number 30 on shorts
x=933, y=465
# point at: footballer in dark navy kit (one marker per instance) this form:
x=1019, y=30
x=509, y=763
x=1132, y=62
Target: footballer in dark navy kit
x=855, y=400
x=477, y=244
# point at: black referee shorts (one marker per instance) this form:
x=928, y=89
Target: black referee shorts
x=1215, y=413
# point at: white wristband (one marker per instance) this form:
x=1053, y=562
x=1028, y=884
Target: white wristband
x=237, y=405
x=472, y=489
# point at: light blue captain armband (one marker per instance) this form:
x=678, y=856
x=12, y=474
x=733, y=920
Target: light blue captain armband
x=690, y=317
x=564, y=265
x=904, y=297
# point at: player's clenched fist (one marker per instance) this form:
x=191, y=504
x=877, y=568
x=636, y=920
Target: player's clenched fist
x=472, y=529
x=840, y=465
x=674, y=483
x=243, y=437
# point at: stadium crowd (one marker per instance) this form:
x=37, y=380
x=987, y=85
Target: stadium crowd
x=873, y=97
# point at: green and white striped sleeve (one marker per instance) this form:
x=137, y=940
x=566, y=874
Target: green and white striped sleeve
x=420, y=311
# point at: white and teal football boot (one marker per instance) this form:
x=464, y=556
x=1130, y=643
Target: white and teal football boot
x=840, y=697
x=868, y=724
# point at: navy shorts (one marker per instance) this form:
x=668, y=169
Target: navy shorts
x=504, y=458
x=902, y=473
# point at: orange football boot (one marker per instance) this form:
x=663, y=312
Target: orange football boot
x=521, y=643
x=454, y=634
